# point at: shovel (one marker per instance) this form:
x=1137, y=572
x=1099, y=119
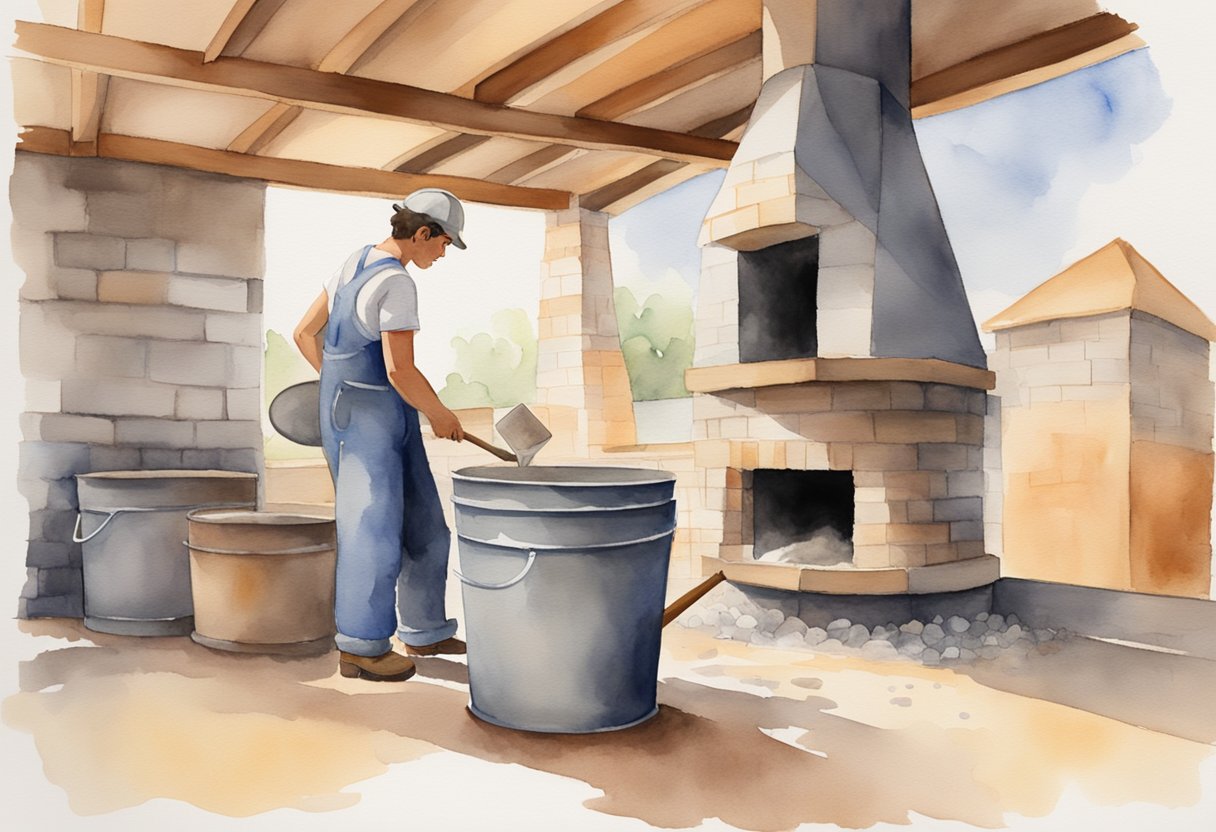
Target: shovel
x=296, y=414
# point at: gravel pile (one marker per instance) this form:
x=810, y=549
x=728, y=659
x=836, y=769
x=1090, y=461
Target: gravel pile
x=955, y=639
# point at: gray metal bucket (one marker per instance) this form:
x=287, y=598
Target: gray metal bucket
x=564, y=573
x=132, y=527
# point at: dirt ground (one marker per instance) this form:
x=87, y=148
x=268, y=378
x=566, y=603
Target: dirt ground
x=113, y=732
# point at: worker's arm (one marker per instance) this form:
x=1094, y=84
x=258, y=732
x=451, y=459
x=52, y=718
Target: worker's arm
x=413, y=386
x=311, y=330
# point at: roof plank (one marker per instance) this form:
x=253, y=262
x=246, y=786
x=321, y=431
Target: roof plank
x=293, y=172
x=353, y=95
x=696, y=70
x=356, y=43
x=432, y=156
x=339, y=59
x=248, y=27
x=603, y=197
x=611, y=24
x=232, y=21
x=265, y=129
x=1053, y=47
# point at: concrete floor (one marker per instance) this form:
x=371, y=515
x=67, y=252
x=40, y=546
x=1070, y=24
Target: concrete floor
x=109, y=732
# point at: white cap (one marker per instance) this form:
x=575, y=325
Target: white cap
x=441, y=206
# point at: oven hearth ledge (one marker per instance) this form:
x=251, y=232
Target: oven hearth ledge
x=712, y=379
x=913, y=580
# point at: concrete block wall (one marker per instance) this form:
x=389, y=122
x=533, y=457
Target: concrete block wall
x=1106, y=453
x=579, y=359
x=915, y=451
x=140, y=337
x=1172, y=398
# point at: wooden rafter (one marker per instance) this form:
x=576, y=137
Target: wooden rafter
x=232, y=21
x=696, y=70
x=292, y=172
x=355, y=43
x=530, y=165
x=612, y=24
x=430, y=156
x=352, y=95
x=88, y=88
x=339, y=59
x=602, y=197
x=1027, y=59
x=248, y=26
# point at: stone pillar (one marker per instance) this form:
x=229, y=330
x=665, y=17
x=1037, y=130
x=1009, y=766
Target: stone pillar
x=1106, y=448
x=140, y=337
x=580, y=367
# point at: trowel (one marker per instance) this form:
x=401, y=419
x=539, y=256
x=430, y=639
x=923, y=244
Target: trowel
x=523, y=433
x=296, y=414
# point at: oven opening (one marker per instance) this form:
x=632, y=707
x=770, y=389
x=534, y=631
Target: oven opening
x=777, y=301
x=803, y=517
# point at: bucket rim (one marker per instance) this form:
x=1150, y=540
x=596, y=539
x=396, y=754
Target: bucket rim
x=253, y=517
x=496, y=474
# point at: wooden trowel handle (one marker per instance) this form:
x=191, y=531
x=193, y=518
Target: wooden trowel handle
x=691, y=597
x=504, y=455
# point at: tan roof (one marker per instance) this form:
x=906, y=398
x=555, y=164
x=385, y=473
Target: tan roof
x=518, y=102
x=1114, y=278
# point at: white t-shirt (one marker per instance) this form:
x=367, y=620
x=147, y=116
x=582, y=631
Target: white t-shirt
x=387, y=302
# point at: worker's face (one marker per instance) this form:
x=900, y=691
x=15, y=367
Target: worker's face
x=429, y=248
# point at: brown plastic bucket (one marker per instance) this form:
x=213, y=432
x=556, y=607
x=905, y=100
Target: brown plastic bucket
x=263, y=582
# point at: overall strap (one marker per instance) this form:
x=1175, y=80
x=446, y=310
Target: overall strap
x=343, y=317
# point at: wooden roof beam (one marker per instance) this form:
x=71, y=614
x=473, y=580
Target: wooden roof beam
x=89, y=89
x=602, y=197
x=292, y=172
x=245, y=21
x=697, y=70
x=352, y=95
x=1031, y=61
x=345, y=52
x=610, y=25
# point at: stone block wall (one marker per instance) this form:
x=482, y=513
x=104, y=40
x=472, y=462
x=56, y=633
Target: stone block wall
x=579, y=359
x=140, y=337
x=915, y=451
x=1106, y=452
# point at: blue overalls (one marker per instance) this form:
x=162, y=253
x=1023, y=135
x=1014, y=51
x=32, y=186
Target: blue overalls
x=391, y=531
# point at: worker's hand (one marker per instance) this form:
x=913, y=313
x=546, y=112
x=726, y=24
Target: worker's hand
x=445, y=425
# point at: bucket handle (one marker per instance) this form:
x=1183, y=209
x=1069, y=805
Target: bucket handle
x=76, y=538
x=110, y=515
x=527, y=568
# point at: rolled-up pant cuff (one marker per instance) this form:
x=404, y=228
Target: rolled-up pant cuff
x=421, y=638
x=363, y=646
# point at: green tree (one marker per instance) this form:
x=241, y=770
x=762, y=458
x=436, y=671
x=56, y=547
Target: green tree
x=496, y=368
x=657, y=342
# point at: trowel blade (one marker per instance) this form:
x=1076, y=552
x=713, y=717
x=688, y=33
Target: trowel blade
x=523, y=433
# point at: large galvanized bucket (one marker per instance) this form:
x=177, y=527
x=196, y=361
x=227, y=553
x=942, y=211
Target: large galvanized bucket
x=131, y=528
x=564, y=572
x=263, y=582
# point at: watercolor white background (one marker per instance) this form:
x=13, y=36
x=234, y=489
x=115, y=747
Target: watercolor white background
x=1165, y=205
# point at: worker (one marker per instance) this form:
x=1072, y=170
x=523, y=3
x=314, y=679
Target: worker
x=392, y=536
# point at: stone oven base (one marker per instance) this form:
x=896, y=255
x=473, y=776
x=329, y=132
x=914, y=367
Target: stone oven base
x=818, y=609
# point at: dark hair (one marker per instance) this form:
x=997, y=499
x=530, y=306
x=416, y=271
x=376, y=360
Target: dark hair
x=406, y=223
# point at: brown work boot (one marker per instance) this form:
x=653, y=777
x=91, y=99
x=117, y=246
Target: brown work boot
x=387, y=667
x=450, y=646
